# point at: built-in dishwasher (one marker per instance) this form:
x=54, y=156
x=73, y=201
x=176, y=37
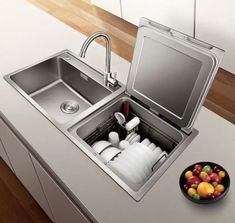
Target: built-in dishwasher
x=169, y=78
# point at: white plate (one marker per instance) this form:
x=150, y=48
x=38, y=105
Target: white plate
x=157, y=152
x=129, y=135
x=133, y=159
x=122, y=169
x=132, y=137
x=142, y=158
x=152, y=146
x=99, y=146
x=146, y=142
x=136, y=139
x=131, y=173
x=109, y=153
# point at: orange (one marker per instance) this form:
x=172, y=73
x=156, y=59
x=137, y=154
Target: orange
x=205, y=189
x=191, y=192
x=188, y=174
x=222, y=174
x=220, y=188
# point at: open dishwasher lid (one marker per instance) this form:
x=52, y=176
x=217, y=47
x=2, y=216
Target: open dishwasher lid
x=171, y=72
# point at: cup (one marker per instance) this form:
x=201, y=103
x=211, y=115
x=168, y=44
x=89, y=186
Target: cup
x=114, y=139
x=123, y=144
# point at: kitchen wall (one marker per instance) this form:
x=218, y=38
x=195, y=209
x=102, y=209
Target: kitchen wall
x=209, y=20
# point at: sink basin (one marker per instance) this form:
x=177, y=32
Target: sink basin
x=62, y=87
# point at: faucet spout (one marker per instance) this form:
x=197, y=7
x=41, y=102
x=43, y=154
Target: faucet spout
x=108, y=79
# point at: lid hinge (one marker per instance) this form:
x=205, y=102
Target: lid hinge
x=170, y=122
x=139, y=102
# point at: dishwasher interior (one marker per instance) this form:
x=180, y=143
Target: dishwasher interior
x=98, y=126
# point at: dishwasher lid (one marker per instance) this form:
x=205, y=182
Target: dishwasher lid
x=171, y=72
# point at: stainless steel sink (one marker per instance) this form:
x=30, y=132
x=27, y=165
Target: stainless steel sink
x=62, y=87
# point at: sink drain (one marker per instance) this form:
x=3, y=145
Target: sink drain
x=69, y=107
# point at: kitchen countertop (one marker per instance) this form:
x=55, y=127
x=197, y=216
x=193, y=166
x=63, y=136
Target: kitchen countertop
x=28, y=35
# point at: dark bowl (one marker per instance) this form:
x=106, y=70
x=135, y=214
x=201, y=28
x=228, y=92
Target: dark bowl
x=225, y=181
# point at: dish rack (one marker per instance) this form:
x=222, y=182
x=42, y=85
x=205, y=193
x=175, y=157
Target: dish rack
x=144, y=130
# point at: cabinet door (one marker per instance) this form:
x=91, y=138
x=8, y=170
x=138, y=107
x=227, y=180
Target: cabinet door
x=215, y=24
x=23, y=166
x=4, y=155
x=62, y=208
x=178, y=15
x=112, y=6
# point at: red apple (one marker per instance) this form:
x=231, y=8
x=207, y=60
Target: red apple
x=207, y=179
x=215, y=177
x=196, y=172
x=198, y=167
x=193, y=180
x=216, y=193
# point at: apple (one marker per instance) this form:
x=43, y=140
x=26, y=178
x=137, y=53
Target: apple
x=215, y=178
x=207, y=179
x=198, y=167
x=193, y=180
x=216, y=193
x=207, y=169
x=196, y=172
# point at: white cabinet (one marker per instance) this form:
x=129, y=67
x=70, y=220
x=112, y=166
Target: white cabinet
x=112, y=6
x=178, y=15
x=22, y=165
x=62, y=208
x=4, y=156
x=215, y=21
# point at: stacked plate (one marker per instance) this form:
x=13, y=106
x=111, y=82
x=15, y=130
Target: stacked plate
x=131, y=159
x=136, y=162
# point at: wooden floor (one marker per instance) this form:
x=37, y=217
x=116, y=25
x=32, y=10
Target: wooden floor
x=16, y=204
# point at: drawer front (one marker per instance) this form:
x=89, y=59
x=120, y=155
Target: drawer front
x=62, y=207
x=23, y=166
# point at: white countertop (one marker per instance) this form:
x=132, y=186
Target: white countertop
x=27, y=35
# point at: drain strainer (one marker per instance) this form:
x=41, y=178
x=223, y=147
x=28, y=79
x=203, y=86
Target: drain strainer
x=69, y=107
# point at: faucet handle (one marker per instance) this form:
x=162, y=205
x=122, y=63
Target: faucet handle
x=114, y=75
x=111, y=79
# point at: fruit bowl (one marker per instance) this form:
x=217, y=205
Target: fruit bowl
x=204, y=182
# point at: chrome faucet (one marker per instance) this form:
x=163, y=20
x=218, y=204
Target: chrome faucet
x=108, y=78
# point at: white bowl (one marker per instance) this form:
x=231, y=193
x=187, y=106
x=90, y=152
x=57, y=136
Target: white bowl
x=110, y=153
x=101, y=145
